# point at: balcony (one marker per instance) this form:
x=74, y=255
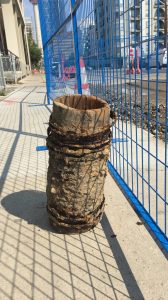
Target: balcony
x=160, y=29
x=160, y=4
x=135, y=7
x=135, y=30
x=161, y=26
x=135, y=18
x=135, y=4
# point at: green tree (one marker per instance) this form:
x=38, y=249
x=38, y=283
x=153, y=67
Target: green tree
x=35, y=52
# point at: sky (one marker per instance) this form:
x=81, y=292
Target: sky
x=28, y=8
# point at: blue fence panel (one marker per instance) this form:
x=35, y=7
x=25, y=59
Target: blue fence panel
x=117, y=50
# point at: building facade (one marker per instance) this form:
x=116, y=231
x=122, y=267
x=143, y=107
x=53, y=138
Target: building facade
x=123, y=24
x=13, y=38
x=29, y=27
x=161, y=22
x=146, y=24
x=107, y=27
x=37, y=23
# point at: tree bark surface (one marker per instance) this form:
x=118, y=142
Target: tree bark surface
x=79, y=142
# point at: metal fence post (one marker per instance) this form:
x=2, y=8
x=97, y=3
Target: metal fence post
x=2, y=77
x=14, y=68
x=102, y=62
x=76, y=46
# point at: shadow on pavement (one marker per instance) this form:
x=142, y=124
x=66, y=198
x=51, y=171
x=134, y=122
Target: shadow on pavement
x=30, y=206
x=123, y=266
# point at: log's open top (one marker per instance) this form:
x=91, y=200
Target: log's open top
x=80, y=115
x=81, y=102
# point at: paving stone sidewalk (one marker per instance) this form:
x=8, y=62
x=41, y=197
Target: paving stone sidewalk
x=117, y=260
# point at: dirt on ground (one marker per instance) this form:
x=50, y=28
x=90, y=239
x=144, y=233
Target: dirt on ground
x=144, y=107
x=9, y=89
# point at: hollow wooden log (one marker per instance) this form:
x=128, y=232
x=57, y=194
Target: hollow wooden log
x=79, y=142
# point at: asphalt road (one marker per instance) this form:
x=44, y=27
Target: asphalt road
x=108, y=76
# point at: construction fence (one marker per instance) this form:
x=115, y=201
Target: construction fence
x=117, y=50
